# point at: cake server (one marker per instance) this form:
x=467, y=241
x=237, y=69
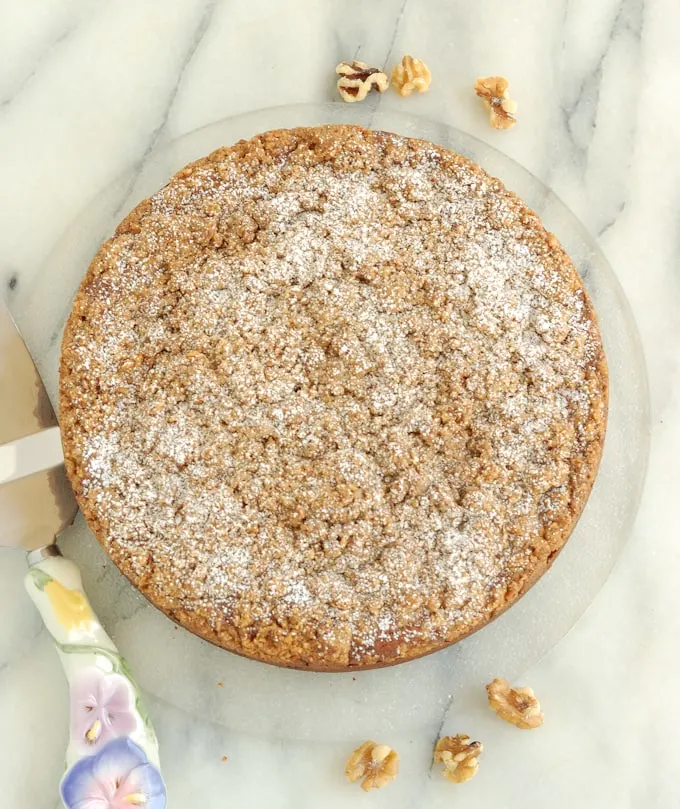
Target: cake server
x=112, y=755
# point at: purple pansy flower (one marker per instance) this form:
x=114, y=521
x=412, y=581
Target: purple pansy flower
x=119, y=776
x=101, y=707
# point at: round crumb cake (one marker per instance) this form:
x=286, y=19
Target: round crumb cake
x=332, y=398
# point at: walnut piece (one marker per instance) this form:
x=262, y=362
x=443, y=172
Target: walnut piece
x=518, y=706
x=411, y=74
x=377, y=764
x=357, y=80
x=495, y=94
x=460, y=757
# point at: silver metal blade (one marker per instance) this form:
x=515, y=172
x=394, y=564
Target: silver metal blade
x=33, y=507
x=34, y=453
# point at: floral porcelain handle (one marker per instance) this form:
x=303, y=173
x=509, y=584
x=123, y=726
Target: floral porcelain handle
x=112, y=756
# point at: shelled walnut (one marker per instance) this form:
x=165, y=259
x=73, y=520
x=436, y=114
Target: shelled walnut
x=376, y=764
x=460, y=757
x=518, y=706
x=357, y=80
x=495, y=94
x=411, y=74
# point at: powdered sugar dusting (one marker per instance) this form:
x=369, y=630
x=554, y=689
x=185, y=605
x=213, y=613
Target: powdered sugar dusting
x=337, y=405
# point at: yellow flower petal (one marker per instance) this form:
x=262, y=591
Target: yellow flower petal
x=70, y=606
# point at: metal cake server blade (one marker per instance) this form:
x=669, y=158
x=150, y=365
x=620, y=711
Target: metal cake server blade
x=39, y=452
x=36, y=503
x=34, y=508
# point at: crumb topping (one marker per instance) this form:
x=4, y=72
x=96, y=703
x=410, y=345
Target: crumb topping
x=332, y=397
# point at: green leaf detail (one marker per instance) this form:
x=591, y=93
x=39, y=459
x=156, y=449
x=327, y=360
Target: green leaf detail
x=40, y=578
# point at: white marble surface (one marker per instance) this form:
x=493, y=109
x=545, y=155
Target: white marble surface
x=88, y=89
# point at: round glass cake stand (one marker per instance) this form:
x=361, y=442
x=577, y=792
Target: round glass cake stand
x=253, y=697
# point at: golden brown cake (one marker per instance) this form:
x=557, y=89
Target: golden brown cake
x=332, y=398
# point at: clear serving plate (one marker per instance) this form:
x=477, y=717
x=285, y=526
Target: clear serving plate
x=253, y=697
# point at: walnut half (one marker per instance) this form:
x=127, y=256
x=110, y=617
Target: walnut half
x=518, y=706
x=460, y=757
x=495, y=94
x=357, y=80
x=411, y=74
x=376, y=764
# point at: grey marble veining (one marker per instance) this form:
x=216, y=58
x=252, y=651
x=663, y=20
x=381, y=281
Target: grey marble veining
x=88, y=90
